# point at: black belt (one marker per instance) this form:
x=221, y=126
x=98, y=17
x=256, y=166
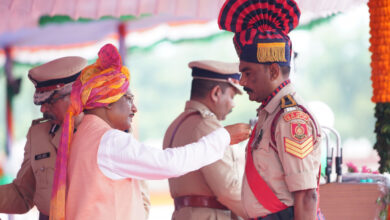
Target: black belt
x=198, y=201
x=43, y=216
x=285, y=214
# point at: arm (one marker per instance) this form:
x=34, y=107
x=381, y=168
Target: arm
x=305, y=204
x=121, y=156
x=299, y=155
x=17, y=197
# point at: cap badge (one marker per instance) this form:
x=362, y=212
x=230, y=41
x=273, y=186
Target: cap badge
x=231, y=80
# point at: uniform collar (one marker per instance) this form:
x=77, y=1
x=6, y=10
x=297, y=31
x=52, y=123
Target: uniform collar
x=265, y=102
x=275, y=101
x=55, y=139
x=193, y=105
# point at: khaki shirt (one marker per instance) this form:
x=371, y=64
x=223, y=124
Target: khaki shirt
x=284, y=172
x=220, y=179
x=34, y=181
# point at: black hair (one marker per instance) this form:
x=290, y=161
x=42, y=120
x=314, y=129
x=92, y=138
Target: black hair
x=201, y=87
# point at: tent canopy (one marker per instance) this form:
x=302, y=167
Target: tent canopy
x=174, y=19
x=19, y=14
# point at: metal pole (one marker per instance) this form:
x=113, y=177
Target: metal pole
x=8, y=104
x=329, y=157
x=122, y=41
x=339, y=152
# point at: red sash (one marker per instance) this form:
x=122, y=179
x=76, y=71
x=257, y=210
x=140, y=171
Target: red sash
x=264, y=195
x=259, y=187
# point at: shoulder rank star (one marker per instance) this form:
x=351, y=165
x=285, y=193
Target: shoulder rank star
x=206, y=113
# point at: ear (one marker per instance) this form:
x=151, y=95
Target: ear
x=215, y=93
x=109, y=106
x=274, y=71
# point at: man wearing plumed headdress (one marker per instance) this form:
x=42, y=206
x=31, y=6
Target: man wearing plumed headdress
x=283, y=155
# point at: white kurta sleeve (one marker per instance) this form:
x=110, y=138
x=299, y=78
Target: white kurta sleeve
x=121, y=156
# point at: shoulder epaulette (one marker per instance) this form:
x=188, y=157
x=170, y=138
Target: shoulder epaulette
x=205, y=113
x=287, y=102
x=38, y=121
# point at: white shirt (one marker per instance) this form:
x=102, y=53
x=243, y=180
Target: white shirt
x=121, y=156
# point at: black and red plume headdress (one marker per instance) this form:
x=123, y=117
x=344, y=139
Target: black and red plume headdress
x=261, y=28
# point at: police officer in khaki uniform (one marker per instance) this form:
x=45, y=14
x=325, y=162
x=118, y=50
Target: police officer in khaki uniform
x=211, y=192
x=283, y=155
x=33, y=184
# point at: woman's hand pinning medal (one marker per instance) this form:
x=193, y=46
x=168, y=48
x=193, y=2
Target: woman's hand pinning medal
x=238, y=132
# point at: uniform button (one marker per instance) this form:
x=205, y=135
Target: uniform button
x=42, y=169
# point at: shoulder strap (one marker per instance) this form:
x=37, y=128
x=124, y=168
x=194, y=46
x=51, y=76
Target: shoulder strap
x=287, y=101
x=38, y=121
x=179, y=124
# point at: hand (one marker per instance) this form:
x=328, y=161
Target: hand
x=238, y=132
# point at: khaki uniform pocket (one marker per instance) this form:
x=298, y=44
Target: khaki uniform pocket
x=43, y=175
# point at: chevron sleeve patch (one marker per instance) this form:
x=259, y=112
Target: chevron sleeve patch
x=300, y=150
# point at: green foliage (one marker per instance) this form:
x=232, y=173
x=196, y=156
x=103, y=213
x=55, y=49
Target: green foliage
x=383, y=202
x=58, y=19
x=382, y=130
x=5, y=179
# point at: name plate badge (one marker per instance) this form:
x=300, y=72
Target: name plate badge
x=42, y=156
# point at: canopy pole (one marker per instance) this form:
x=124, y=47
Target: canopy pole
x=8, y=104
x=122, y=41
x=12, y=88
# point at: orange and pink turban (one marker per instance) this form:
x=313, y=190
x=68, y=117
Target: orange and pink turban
x=98, y=85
